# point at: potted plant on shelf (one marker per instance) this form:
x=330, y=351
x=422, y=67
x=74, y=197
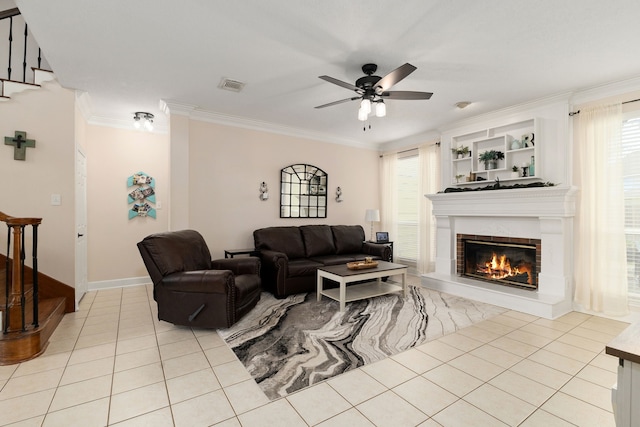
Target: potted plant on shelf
x=460, y=152
x=490, y=158
x=458, y=178
x=515, y=171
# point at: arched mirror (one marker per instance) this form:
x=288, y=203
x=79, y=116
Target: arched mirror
x=303, y=192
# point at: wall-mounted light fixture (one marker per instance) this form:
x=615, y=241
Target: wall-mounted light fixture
x=142, y=119
x=264, y=191
x=338, y=195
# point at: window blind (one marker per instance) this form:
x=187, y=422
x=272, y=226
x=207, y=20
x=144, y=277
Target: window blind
x=406, y=242
x=631, y=161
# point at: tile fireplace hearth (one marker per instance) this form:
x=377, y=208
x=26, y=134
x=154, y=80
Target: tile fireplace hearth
x=538, y=218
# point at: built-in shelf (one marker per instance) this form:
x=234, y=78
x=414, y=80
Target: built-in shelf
x=509, y=139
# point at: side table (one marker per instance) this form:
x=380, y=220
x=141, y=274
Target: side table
x=230, y=253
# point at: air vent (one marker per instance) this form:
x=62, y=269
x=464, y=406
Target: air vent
x=230, y=84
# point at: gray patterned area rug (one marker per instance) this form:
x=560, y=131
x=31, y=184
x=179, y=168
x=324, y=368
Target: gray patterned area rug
x=295, y=342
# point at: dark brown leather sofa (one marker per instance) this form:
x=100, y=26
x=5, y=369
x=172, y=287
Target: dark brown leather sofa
x=291, y=255
x=193, y=290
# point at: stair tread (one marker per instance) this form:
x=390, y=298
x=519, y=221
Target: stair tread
x=45, y=308
x=18, y=346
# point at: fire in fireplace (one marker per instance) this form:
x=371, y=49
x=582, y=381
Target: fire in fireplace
x=505, y=261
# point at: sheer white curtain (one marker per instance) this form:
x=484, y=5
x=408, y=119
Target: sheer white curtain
x=388, y=194
x=429, y=156
x=600, y=250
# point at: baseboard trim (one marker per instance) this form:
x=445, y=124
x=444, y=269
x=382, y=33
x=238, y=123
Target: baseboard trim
x=118, y=283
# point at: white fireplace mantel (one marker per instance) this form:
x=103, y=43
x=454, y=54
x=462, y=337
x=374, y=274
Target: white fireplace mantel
x=514, y=202
x=544, y=213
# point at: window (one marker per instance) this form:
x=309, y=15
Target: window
x=631, y=153
x=406, y=247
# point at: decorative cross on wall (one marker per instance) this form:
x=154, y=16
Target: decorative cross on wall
x=20, y=144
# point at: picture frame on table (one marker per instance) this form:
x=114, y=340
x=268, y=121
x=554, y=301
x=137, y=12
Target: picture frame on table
x=382, y=237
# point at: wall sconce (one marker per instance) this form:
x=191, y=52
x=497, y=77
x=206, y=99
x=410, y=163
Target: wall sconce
x=264, y=191
x=338, y=195
x=142, y=119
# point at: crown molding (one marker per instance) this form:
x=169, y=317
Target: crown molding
x=173, y=107
x=83, y=102
x=503, y=113
x=198, y=114
x=606, y=90
x=417, y=140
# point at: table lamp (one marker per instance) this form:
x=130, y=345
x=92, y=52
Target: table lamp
x=372, y=215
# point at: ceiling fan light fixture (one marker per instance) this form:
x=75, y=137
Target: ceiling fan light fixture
x=362, y=114
x=366, y=105
x=373, y=89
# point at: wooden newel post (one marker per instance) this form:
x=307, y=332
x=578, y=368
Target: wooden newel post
x=15, y=287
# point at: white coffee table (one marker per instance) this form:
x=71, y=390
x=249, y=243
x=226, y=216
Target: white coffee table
x=343, y=275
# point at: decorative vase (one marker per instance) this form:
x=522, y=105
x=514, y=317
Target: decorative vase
x=515, y=144
x=490, y=164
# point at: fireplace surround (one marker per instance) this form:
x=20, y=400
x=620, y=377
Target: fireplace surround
x=542, y=213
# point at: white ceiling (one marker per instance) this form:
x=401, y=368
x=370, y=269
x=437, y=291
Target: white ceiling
x=129, y=55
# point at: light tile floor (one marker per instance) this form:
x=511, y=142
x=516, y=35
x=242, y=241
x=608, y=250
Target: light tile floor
x=113, y=363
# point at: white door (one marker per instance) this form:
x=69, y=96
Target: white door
x=81, y=226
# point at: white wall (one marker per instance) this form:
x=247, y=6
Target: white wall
x=222, y=174
x=47, y=115
x=227, y=165
x=113, y=155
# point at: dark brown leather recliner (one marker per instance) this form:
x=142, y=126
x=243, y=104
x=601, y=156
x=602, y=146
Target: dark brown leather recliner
x=193, y=290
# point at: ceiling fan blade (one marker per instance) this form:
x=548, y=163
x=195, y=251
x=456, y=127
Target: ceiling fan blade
x=405, y=94
x=338, y=102
x=341, y=83
x=394, y=77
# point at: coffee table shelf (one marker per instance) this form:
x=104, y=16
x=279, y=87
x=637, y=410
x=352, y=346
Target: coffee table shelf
x=362, y=291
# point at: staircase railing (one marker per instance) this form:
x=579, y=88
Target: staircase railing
x=9, y=15
x=15, y=292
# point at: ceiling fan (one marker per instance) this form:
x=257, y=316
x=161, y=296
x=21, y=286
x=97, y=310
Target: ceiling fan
x=375, y=89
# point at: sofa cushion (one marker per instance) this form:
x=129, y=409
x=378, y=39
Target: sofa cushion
x=303, y=267
x=318, y=240
x=287, y=240
x=348, y=238
x=336, y=259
